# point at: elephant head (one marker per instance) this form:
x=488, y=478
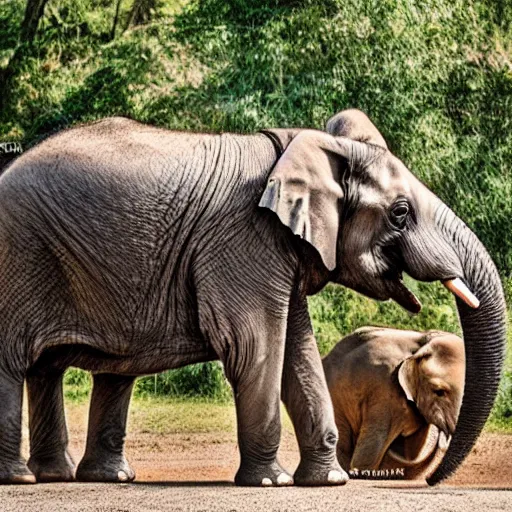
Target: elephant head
x=433, y=378
x=346, y=195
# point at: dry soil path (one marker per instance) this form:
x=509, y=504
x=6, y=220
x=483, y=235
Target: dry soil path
x=195, y=471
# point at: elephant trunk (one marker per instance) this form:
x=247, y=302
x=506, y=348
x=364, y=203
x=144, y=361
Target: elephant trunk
x=426, y=452
x=484, y=332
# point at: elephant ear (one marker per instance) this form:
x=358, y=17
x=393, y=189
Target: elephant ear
x=304, y=192
x=355, y=125
x=408, y=372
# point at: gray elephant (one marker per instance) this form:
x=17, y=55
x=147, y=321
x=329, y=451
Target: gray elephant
x=127, y=249
x=396, y=397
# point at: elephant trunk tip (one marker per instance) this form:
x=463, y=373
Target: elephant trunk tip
x=445, y=470
x=437, y=477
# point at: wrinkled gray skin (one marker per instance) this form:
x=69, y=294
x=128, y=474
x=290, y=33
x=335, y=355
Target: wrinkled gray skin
x=393, y=392
x=127, y=249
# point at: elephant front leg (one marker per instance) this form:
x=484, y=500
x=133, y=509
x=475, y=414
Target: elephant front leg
x=307, y=400
x=345, y=447
x=13, y=469
x=374, y=439
x=104, y=459
x=256, y=380
x=49, y=460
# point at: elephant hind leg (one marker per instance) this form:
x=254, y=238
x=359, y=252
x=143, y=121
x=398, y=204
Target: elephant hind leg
x=49, y=460
x=104, y=459
x=13, y=469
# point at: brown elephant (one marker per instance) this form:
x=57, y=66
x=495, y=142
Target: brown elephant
x=396, y=397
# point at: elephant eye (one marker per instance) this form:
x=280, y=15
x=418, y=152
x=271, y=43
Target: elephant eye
x=439, y=392
x=399, y=213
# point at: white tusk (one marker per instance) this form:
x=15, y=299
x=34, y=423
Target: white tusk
x=443, y=441
x=458, y=288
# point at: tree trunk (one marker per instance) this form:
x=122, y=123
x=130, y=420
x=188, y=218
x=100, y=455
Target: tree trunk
x=33, y=14
x=116, y=20
x=141, y=12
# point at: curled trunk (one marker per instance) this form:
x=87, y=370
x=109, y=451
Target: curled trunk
x=484, y=332
x=419, y=456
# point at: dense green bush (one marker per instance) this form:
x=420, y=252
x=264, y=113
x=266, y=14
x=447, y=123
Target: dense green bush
x=205, y=381
x=199, y=380
x=435, y=76
x=502, y=413
x=77, y=384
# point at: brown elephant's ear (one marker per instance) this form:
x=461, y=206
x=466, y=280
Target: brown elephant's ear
x=355, y=125
x=304, y=192
x=408, y=372
x=407, y=378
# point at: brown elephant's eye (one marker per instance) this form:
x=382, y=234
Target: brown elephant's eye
x=439, y=392
x=399, y=213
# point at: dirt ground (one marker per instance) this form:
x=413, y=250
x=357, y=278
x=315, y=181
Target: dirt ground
x=186, y=472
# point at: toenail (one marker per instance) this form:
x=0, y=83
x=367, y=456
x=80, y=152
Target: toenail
x=334, y=477
x=122, y=476
x=24, y=479
x=266, y=482
x=284, y=479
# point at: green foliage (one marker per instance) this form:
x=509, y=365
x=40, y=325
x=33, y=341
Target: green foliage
x=501, y=417
x=435, y=76
x=199, y=380
x=77, y=384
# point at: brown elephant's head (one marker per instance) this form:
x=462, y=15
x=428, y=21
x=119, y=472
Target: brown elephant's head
x=370, y=220
x=433, y=378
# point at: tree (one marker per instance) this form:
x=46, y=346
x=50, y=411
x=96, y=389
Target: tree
x=141, y=12
x=33, y=14
x=116, y=19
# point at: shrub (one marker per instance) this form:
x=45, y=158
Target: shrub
x=199, y=380
x=501, y=415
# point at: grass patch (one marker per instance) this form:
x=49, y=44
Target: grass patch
x=172, y=416
x=204, y=382
x=163, y=415
x=167, y=415
x=497, y=425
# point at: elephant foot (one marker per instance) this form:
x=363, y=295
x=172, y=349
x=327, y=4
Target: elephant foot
x=259, y=475
x=56, y=468
x=107, y=469
x=315, y=474
x=16, y=473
